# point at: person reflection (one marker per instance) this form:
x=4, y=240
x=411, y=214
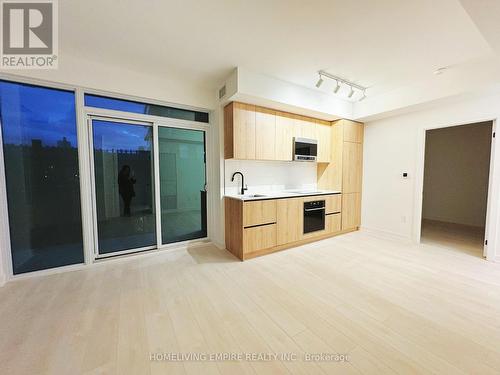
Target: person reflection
x=126, y=188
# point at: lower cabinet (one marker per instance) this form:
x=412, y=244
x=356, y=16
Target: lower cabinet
x=258, y=227
x=333, y=223
x=259, y=238
x=289, y=223
x=351, y=211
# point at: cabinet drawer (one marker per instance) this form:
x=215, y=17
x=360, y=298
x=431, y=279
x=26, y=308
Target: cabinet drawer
x=333, y=223
x=333, y=203
x=259, y=238
x=259, y=212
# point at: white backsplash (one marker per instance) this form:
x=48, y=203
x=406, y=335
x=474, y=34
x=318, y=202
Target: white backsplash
x=267, y=176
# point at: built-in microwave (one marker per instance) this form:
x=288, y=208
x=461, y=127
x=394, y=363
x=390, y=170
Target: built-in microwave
x=305, y=149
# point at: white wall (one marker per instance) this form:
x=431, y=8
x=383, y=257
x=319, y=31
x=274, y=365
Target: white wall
x=395, y=145
x=268, y=176
x=457, y=161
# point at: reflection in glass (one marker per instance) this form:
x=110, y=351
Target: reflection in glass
x=123, y=169
x=182, y=184
x=41, y=167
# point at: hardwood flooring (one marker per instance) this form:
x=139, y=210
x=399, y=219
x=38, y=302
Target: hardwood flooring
x=393, y=308
x=464, y=238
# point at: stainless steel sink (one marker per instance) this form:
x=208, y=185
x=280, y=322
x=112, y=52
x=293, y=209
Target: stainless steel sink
x=255, y=196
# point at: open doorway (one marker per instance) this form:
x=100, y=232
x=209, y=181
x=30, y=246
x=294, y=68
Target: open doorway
x=455, y=194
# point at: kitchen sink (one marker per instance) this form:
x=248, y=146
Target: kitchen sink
x=255, y=196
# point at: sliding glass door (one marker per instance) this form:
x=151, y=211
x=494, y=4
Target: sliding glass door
x=127, y=185
x=124, y=185
x=182, y=184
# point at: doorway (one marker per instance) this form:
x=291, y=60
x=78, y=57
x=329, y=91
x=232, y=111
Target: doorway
x=149, y=185
x=455, y=189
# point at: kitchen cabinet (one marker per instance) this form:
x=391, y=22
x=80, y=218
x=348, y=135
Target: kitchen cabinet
x=333, y=203
x=265, y=134
x=323, y=135
x=239, y=131
x=333, y=223
x=258, y=227
x=353, y=131
x=289, y=223
x=284, y=136
x=259, y=238
x=351, y=211
x=259, y=212
x=352, y=160
x=305, y=127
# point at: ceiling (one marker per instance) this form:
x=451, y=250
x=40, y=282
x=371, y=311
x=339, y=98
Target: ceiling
x=391, y=46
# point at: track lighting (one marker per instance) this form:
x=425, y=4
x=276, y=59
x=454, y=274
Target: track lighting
x=351, y=93
x=320, y=81
x=337, y=88
x=339, y=81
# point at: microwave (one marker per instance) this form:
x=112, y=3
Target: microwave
x=305, y=149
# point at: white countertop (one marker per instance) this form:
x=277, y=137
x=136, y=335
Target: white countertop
x=279, y=194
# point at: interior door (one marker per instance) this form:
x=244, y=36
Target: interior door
x=122, y=165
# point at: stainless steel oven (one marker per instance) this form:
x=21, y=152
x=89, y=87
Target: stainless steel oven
x=314, y=216
x=305, y=149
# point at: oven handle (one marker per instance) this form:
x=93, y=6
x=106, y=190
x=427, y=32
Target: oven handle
x=314, y=209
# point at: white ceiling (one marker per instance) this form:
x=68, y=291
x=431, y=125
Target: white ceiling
x=392, y=46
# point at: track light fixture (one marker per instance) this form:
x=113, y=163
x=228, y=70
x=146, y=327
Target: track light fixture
x=339, y=81
x=337, y=87
x=351, y=93
x=320, y=81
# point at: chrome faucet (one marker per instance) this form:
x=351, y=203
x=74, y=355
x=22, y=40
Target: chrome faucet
x=243, y=187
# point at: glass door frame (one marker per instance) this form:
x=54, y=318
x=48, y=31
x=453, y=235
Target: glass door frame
x=125, y=121
x=155, y=122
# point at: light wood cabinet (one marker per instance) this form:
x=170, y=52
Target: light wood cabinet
x=305, y=127
x=351, y=211
x=259, y=212
x=323, y=135
x=353, y=131
x=259, y=238
x=333, y=203
x=265, y=134
x=284, y=136
x=333, y=223
x=239, y=131
x=289, y=225
x=352, y=167
x=330, y=175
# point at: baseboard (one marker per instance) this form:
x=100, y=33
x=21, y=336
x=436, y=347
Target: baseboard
x=388, y=235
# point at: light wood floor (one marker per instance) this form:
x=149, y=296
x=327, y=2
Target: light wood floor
x=394, y=308
x=464, y=238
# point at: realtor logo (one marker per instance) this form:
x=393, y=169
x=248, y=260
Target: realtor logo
x=29, y=34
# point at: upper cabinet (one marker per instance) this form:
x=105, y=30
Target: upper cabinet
x=265, y=134
x=284, y=136
x=239, y=131
x=305, y=127
x=258, y=133
x=353, y=131
x=324, y=137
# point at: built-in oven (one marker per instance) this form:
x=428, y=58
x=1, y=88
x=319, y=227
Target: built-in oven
x=314, y=216
x=305, y=149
